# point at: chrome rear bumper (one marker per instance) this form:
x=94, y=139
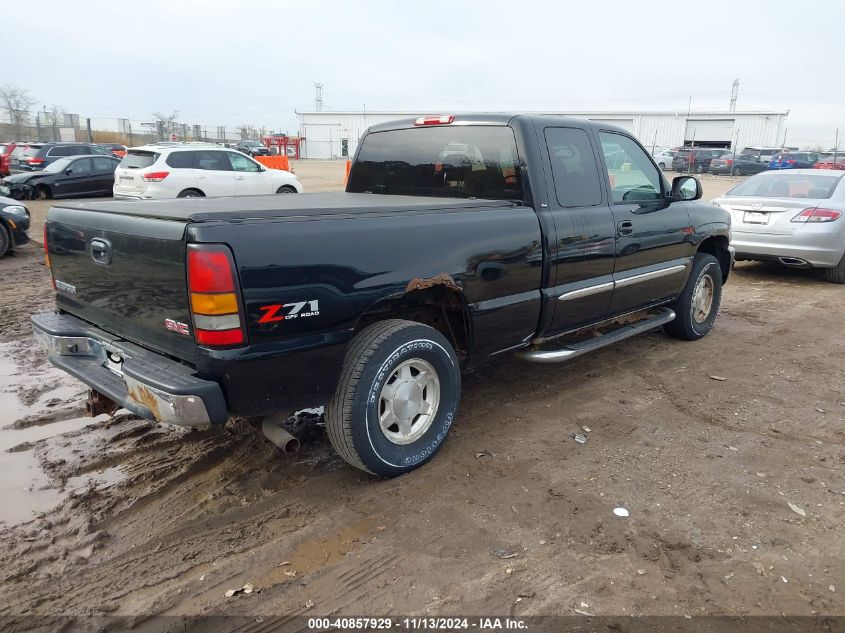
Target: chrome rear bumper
x=144, y=382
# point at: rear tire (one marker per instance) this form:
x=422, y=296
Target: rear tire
x=698, y=305
x=286, y=189
x=191, y=193
x=5, y=240
x=384, y=418
x=737, y=171
x=836, y=275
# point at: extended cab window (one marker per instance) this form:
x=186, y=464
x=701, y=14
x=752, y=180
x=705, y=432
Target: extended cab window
x=455, y=161
x=574, y=169
x=631, y=174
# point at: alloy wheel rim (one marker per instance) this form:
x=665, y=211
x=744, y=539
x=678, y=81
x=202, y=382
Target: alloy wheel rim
x=409, y=401
x=702, y=299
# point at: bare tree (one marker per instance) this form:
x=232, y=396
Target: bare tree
x=15, y=102
x=54, y=117
x=246, y=130
x=167, y=122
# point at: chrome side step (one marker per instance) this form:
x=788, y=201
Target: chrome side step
x=537, y=355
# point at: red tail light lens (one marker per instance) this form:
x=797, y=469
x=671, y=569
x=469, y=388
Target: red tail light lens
x=817, y=214
x=444, y=119
x=213, y=296
x=790, y=162
x=728, y=161
x=35, y=161
x=155, y=176
x=209, y=270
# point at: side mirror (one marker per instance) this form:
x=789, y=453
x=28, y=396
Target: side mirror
x=68, y=171
x=686, y=188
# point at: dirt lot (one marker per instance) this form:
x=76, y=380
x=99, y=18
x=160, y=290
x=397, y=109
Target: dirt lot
x=705, y=444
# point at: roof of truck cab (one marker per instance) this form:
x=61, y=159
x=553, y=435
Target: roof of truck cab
x=303, y=205
x=486, y=118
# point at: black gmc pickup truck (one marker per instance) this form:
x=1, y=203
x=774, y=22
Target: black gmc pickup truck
x=459, y=240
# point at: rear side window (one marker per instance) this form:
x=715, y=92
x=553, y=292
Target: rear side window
x=135, y=159
x=211, y=161
x=451, y=161
x=30, y=151
x=181, y=160
x=4, y=149
x=574, y=169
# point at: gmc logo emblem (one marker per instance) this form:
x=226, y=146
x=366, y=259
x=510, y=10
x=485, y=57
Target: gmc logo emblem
x=177, y=326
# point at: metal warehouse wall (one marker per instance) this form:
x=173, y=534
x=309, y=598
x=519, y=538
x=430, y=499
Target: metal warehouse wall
x=324, y=131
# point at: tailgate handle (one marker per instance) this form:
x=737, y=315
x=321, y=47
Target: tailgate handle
x=101, y=251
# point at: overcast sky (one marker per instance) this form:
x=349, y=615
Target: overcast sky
x=255, y=62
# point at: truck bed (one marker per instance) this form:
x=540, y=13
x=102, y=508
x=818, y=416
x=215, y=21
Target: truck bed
x=306, y=205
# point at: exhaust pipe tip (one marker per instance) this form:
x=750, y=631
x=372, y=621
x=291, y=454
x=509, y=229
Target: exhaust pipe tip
x=794, y=262
x=274, y=432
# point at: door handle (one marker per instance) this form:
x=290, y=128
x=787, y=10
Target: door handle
x=240, y=178
x=626, y=227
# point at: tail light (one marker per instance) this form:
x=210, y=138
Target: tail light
x=35, y=161
x=214, y=299
x=435, y=120
x=47, y=258
x=790, y=162
x=817, y=214
x=728, y=161
x=155, y=176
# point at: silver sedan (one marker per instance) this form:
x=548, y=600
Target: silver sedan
x=790, y=216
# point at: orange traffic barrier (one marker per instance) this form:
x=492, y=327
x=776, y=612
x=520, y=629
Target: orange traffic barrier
x=274, y=162
x=348, y=169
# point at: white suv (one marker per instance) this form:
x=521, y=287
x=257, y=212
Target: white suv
x=194, y=170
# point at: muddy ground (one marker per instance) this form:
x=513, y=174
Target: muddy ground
x=705, y=444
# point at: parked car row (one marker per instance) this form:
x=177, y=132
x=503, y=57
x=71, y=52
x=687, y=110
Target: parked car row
x=750, y=160
x=166, y=170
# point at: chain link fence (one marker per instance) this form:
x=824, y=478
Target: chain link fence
x=46, y=126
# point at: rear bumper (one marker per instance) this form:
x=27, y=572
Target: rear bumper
x=816, y=248
x=148, y=384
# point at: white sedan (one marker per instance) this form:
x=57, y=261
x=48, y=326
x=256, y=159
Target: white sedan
x=663, y=158
x=195, y=170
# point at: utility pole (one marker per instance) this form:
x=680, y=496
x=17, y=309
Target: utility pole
x=734, y=93
x=835, y=147
x=318, y=97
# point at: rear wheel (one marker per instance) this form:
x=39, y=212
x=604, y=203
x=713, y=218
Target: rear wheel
x=698, y=305
x=737, y=171
x=286, y=189
x=191, y=193
x=5, y=240
x=396, y=398
x=836, y=275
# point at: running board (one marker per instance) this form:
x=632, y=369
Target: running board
x=535, y=355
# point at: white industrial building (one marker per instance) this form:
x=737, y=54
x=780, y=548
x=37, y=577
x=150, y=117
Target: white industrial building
x=336, y=134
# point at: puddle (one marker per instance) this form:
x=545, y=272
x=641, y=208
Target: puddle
x=24, y=488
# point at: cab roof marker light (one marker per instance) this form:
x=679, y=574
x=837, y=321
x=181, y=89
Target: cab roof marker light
x=442, y=119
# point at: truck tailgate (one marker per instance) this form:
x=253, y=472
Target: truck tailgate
x=124, y=273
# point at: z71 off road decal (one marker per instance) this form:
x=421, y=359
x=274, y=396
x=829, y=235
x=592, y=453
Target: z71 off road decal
x=288, y=311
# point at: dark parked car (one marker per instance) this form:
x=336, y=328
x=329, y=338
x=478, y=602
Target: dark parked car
x=14, y=224
x=252, y=148
x=36, y=156
x=699, y=158
x=742, y=164
x=794, y=160
x=74, y=177
x=374, y=301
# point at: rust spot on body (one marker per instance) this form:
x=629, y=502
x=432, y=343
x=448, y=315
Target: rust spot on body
x=145, y=397
x=444, y=280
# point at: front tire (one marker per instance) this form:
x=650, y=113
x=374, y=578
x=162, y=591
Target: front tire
x=41, y=193
x=5, y=240
x=396, y=399
x=698, y=305
x=286, y=189
x=836, y=275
